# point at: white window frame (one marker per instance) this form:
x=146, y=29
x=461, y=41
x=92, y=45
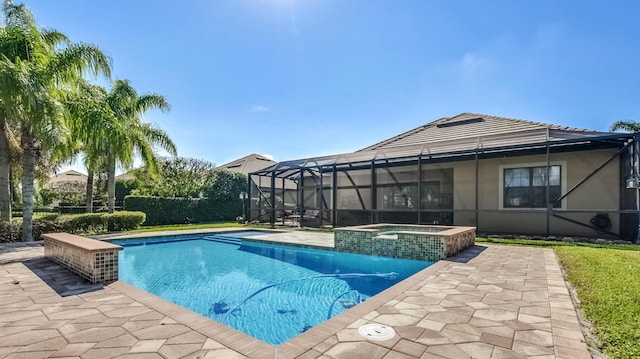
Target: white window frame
x=563, y=184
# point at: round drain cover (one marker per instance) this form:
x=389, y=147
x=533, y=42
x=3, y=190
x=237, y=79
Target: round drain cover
x=376, y=332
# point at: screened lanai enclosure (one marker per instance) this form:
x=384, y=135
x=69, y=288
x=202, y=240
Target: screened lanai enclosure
x=543, y=181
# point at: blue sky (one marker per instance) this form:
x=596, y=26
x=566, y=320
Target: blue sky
x=295, y=79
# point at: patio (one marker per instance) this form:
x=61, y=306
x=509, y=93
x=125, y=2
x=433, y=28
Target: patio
x=487, y=302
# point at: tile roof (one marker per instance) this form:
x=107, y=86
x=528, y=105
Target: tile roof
x=68, y=176
x=475, y=126
x=247, y=164
x=451, y=137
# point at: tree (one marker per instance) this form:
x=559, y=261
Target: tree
x=629, y=126
x=9, y=157
x=132, y=136
x=110, y=132
x=13, y=39
x=69, y=193
x=125, y=187
x=225, y=185
x=92, y=122
x=179, y=177
x=35, y=82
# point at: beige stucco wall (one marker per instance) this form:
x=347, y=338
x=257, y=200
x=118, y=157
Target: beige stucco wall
x=599, y=193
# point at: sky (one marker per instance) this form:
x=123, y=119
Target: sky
x=293, y=79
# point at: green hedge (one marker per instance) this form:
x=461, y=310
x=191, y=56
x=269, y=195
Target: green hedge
x=73, y=223
x=124, y=221
x=85, y=223
x=160, y=210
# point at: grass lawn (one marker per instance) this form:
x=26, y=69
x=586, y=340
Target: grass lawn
x=174, y=227
x=608, y=285
x=607, y=279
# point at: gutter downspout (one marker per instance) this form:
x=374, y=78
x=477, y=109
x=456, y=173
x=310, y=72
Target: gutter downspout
x=547, y=184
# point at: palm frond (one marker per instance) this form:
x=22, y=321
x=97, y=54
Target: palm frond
x=53, y=38
x=70, y=63
x=628, y=126
x=122, y=99
x=15, y=151
x=18, y=16
x=157, y=136
x=147, y=154
x=152, y=101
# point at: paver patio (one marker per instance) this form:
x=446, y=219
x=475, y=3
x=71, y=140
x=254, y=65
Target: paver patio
x=488, y=302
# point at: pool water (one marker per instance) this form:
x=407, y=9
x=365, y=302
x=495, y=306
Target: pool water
x=271, y=292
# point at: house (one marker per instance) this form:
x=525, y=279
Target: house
x=69, y=186
x=68, y=176
x=501, y=175
x=260, y=187
x=248, y=164
x=125, y=176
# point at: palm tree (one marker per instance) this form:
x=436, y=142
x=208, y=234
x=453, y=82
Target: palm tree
x=35, y=82
x=132, y=136
x=91, y=121
x=110, y=132
x=9, y=154
x=628, y=126
x=14, y=43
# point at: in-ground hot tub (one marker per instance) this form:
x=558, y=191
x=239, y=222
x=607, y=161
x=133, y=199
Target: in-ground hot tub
x=421, y=242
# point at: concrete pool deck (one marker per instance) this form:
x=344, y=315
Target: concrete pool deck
x=487, y=302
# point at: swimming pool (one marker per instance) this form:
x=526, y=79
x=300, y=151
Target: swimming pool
x=271, y=292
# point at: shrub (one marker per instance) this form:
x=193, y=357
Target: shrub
x=46, y=224
x=123, y=189
x=70, y=192
x=85, y=222
x=124, y=221
x=11, y=231
x=73, y=223
x=49, y=217
x=161, y=210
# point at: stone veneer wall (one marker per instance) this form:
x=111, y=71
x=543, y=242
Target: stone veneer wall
x=428, y=243
x=459, y=241
x=91, y=259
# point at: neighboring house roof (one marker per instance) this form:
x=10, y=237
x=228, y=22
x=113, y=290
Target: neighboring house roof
x=125, y=176
x=247, y=164
x=485, y=130
x=68, y=176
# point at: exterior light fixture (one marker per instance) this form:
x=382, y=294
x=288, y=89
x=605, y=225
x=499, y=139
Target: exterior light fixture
x=243, y=196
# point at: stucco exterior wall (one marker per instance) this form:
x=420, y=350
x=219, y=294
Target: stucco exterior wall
x=599, y=193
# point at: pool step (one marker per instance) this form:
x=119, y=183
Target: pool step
x=223, y=239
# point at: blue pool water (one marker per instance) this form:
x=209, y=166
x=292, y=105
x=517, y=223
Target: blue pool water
x=270, y=292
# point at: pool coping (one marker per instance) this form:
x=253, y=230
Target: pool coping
x=244, y=343
x=255, y=348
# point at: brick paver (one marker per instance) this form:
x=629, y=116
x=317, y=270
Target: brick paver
x=487, y=302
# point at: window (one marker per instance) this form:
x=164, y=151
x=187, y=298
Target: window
x=526, y=187
x=401, y=196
